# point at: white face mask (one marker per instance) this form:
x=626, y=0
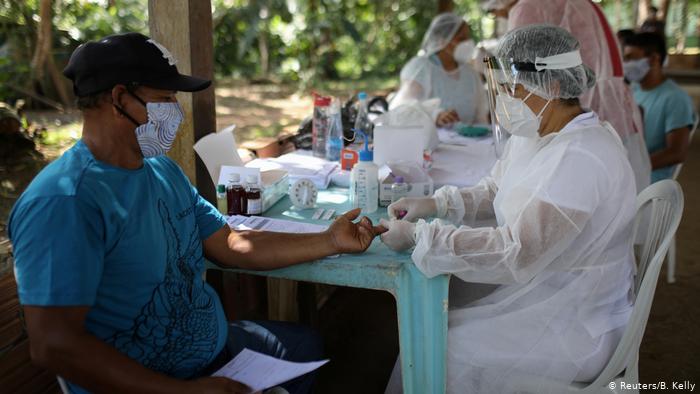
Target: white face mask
x=156, y=136
x=636, y=70
x=516, y=117
x=464, y=51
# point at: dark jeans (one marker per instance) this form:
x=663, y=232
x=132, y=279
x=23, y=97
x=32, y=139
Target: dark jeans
x=286, y=341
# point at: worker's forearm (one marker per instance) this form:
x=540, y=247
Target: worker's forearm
x=98, y=367
x=263, y=250
x=665, y=158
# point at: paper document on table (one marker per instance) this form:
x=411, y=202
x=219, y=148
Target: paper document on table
x=259, y=371
x=238, y=222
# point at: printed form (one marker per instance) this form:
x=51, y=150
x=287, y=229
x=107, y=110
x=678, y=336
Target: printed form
x=259, y=371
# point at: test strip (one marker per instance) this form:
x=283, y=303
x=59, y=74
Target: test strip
x=317, y=214
x=329, y=214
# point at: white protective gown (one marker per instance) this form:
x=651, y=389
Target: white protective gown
x=610, y=98
x=561, y=255
x=461, y=89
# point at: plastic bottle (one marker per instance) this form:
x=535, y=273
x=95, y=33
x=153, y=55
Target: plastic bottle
x=235, y=195
x=364, y=182
x=221, y=199
x=362, y=121
x=399, y=189
x=334, y=144
x=253, y=196
x=320, y=125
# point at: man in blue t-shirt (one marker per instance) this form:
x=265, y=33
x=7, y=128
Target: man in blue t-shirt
x=668, y=110
x=110, y=239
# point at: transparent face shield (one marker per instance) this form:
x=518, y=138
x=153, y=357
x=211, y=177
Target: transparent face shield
x=501, y=80
x=508, y=80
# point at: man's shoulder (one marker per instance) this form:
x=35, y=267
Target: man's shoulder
x=63, y=176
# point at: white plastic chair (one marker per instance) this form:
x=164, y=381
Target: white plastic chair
x=671, y=267
x=662, y=204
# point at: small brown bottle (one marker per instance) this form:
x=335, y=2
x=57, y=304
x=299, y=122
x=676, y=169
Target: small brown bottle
x=235, y=195
x=253, y=196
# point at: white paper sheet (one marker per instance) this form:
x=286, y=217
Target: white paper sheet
x=259, y=371
x=218, y=149
x=238, y=222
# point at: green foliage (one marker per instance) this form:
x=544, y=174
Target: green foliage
x=308, y=40
x=74, y=22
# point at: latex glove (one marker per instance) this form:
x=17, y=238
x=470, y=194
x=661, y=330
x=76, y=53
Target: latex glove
x=447, y=118
x=399, y=235
x=413, y=208
x=349, y=237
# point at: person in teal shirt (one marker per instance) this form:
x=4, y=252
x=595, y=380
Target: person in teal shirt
x=110, y=243
x=668, y=110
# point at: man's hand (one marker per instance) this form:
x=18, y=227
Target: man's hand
x=217, y=385
x=447, y=118
x=349, y=237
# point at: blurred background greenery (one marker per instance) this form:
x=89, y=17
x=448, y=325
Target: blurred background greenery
x=301, y=42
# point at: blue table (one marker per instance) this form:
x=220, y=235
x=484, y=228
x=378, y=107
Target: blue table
x=421, y=302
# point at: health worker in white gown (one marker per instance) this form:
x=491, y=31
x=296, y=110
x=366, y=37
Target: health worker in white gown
x=560, y=253
x=442, y=70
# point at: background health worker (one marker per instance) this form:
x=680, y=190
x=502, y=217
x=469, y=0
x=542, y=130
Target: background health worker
x=442, y=69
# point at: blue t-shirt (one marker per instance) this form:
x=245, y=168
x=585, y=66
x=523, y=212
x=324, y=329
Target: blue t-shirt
x=666, y=107
x=127, y=243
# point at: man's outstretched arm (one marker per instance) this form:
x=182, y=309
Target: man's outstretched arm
x=264, y=250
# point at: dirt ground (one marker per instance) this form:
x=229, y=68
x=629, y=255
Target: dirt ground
x=359, y=326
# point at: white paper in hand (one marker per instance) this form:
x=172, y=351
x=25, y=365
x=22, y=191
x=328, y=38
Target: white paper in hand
x=259, y=371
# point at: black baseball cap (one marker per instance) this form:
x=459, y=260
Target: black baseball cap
x=129, y=58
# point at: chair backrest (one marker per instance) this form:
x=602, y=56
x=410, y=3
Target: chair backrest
x=677, y=169
x=663, y=201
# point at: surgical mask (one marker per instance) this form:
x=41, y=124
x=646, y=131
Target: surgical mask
x=464, y=51
x=636, y=70
x=516, y=117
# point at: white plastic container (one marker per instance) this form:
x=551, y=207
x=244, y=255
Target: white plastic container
x=364, y=182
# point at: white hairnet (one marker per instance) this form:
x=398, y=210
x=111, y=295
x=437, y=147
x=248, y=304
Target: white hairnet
x=527, y=44
x=440, y=33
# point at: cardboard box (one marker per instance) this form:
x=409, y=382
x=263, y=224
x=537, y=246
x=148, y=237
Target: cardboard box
x=420, y=184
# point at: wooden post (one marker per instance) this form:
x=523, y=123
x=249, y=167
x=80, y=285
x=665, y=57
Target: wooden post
x=185, y=28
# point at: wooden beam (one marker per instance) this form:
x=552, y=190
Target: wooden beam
x=185, y=28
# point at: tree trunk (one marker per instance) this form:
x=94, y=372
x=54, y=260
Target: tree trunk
x=618, y=14
x=263, y=47
x=663, y=10
x=43, y=41
x=445, y=6
x=680, y=33
x=58, y=81
x=642, y=11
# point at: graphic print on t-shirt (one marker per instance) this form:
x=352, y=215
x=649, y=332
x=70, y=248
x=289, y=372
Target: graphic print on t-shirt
x=176, y=330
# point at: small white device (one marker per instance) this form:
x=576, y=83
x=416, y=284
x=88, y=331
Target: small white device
x=303, y=194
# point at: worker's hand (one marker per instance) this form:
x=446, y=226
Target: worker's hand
x=349, y=237
x=399, y=235
x=447, y=118
x=216, y=385
x=413, y=208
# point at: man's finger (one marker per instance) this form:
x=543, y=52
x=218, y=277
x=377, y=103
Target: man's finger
x=379, y=230
x=352, y=214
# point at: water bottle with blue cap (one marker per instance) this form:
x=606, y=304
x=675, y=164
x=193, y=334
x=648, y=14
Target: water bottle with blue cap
x=364, y=180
